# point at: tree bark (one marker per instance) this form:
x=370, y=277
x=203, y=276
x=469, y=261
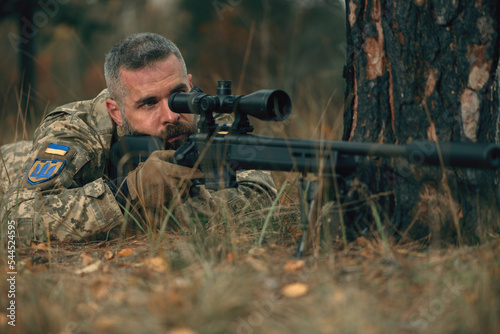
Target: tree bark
x=425, y=70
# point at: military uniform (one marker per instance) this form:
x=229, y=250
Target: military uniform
x=62, y=187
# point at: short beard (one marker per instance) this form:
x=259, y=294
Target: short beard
x=171, y=130
x=176, y=129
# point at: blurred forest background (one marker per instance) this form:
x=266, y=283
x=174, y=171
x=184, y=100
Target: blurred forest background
x=53, y=53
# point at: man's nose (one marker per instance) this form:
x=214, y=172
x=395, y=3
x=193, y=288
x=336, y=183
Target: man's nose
x=167, y=115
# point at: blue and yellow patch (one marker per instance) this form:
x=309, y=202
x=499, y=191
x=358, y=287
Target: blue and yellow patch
x=44, y=169
x=57, y=149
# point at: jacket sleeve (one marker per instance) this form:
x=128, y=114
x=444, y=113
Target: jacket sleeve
x=245, y=206
x=61, y=190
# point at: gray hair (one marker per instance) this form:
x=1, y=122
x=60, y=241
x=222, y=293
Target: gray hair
x=133, y=53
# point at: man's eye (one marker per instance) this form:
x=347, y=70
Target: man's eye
x=148, y=104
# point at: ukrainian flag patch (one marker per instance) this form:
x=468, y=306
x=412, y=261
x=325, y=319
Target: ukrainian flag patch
x=57, y=149
x=44, y=169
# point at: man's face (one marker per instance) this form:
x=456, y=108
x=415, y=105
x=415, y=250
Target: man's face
x=146, y=104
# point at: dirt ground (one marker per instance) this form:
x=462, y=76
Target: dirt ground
x=211, y=283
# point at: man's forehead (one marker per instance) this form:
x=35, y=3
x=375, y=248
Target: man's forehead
x=170, y=65
x=167, y=73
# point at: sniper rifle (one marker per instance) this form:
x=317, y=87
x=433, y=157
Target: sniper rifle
x=221, y=151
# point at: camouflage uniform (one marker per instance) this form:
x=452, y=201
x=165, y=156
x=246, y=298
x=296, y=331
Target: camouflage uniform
x=12, y=157
x=61, y=188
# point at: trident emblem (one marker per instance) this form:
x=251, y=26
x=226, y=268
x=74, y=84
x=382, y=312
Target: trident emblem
x=43, y=170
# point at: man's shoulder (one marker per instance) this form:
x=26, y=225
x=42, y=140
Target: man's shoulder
x=93, y=113
x=96, y=105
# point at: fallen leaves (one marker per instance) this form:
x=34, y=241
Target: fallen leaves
x=108, y=255
x=40, y=246
x=89, y=269
x=157, y=264
x=86, y=259
x=295, y=290
x=125, y=252
x=294, y=266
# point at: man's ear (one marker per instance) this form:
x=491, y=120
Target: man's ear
x=190, y=78
x=114, y=111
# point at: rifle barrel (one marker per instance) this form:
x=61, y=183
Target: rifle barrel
x=262, y=152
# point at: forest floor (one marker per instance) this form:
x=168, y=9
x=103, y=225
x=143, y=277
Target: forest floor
x=213, y=283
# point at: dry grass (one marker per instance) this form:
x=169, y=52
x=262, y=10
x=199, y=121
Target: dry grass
x=194, y=284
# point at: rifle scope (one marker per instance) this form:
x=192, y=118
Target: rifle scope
x=265, y=104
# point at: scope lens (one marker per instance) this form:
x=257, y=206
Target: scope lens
x=266, y=105
x=279, y=105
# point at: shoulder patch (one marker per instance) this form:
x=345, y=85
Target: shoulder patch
x=44, y=169
x=57, y=149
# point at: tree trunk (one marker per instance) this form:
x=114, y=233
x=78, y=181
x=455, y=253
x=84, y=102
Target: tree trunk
x=425, y=70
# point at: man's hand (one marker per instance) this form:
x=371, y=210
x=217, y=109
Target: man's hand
x=156, y=181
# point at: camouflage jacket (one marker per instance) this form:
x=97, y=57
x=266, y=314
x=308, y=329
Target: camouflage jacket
x=61, y=187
